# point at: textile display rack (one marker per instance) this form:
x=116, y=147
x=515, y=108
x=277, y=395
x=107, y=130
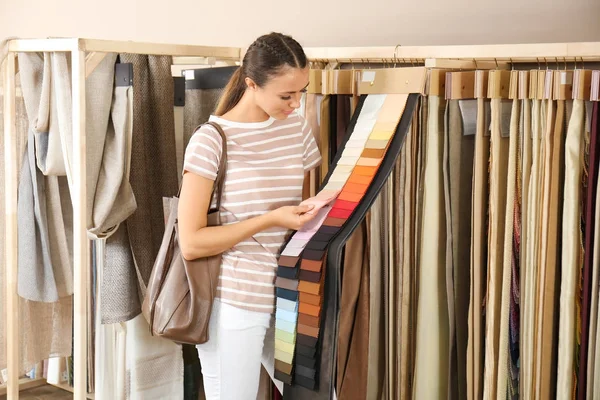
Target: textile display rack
x=87, y=54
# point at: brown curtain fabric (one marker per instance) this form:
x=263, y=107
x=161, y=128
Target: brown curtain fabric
x=459, y=149
x=353, y=334
x=479, y=249
x=153, y=159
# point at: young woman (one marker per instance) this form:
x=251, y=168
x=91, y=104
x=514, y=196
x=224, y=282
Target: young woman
x=270, y=148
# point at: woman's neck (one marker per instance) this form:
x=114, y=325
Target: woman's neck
x=246, y=111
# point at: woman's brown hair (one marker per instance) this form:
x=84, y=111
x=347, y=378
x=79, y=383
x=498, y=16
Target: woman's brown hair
x=264, y=59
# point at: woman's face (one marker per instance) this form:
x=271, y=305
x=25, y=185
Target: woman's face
x=281, y=95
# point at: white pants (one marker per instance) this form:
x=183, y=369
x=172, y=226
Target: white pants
x=238, y=341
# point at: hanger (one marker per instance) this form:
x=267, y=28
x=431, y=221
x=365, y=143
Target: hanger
x=582, y=83
x=548, y=85
x=460, y=85
x=436, y=82
x=513, y=86
x=523, y=91
x=315, y=76
x=563, y=83
x=498, y=84
x=481, y=83
x=595, y=86
x=393, y=80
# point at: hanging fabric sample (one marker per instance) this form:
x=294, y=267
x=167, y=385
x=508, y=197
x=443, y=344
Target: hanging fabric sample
x=500, y=128
x=353, y=335
x=45, y=271
x=307, y=249
x=459, y=148
x=203, y=88
x=479, y=249
x=119, y=283
x=504, y=384
x=46, y=328
x=572, y=250
x=431, y=351
x=153, y=159
x=553, y=184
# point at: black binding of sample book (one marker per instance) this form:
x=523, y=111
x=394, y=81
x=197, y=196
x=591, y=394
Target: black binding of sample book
x=323, y=386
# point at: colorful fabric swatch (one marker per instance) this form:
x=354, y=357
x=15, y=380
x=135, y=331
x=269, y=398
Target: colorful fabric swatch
x=301, y=272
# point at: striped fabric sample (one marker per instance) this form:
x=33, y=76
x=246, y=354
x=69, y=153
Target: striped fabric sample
x=266, y=163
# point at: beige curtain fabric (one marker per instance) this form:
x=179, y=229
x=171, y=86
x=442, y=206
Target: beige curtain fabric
x=550, y=251
x=479, y=222
x=529, y=286
x=498, y=182
x=593, y=361
x=504, y=372
x=571, y=254
x=526, y=157
x=432, y=330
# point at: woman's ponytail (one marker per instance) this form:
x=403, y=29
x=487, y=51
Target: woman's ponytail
x=232, y=93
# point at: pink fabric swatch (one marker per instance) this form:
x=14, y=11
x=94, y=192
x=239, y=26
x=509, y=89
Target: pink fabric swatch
x=321, y=200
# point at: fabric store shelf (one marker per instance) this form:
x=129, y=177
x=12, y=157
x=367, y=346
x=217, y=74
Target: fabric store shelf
x=25, y=383
x=65, y=386
x=98, y=45
x=531, y=52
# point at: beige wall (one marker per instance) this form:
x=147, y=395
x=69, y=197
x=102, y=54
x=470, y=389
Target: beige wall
x=312, y=22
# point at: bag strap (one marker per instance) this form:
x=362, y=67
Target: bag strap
x=222, y=169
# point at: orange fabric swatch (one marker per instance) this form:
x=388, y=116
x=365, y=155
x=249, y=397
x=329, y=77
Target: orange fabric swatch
x=366, y=171
x=309, y=287
x=347, y=196
x=360, y=179
x=309, y=309
x=310, y=265
x=310, y=299
x=355, y=188
x=308, y=330
x=309, y=320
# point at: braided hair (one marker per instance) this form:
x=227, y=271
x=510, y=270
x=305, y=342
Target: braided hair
x=264, y=59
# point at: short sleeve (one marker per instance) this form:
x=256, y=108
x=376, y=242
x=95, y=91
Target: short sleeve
x=311, y=158
x=203, y=153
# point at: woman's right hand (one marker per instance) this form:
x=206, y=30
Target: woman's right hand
x=292, y=217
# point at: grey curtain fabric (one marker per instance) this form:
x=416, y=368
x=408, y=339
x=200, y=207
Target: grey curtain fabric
x=45, y=328
x=45, y=271
x=114, y=201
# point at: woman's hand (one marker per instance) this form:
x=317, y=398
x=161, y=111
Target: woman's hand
x=292, y=217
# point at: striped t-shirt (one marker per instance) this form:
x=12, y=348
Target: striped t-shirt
x=266, y=163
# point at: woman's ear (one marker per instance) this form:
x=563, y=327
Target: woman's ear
x=250, y=83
